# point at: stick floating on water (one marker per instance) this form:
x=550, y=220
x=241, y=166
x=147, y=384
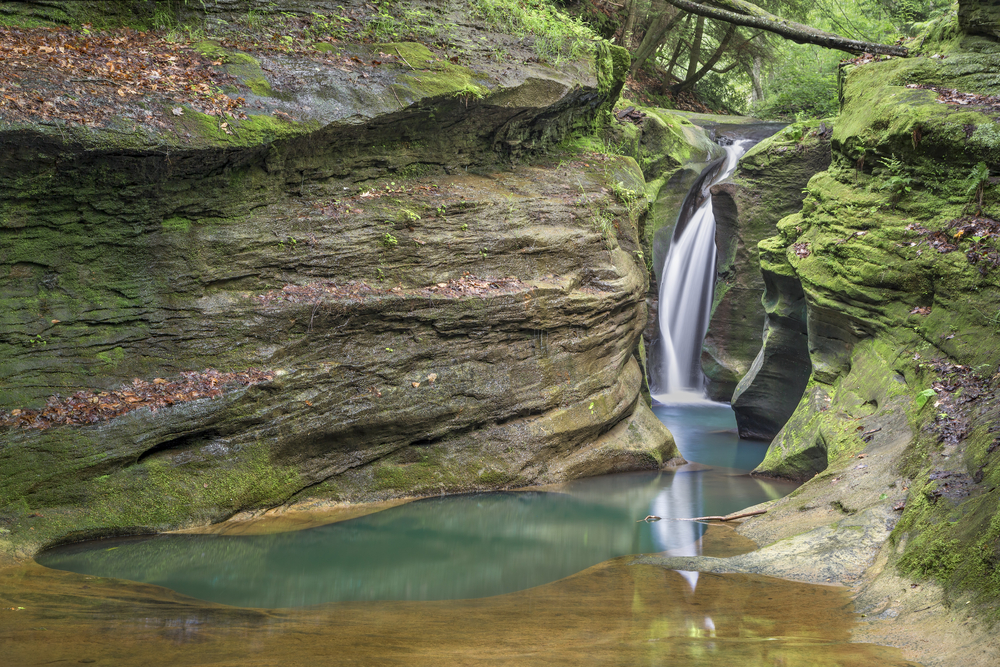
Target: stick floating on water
x=729, y=517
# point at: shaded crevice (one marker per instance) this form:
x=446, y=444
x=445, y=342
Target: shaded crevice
x=187, y=441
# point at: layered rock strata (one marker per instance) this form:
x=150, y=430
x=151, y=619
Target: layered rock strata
x=437, y=308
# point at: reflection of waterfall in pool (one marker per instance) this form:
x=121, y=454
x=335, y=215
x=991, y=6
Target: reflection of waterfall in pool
x=687, y=285
x=704, y=433
x=681, y=500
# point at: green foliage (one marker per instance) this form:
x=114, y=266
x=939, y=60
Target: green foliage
x=802, y=82
x=976, y=185
x=724, y=93
x=802, y=86
x=556, y=36
x=924, y=396
x=389, y=241
x=898, y=182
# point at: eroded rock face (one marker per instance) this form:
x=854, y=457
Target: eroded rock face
x=896, y=428
x=429, y=329
x=980, y=17
x=762, y=376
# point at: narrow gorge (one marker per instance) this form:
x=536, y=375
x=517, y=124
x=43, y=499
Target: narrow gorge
x=443, y=259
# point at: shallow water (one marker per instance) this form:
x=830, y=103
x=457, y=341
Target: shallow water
x=611, y=612
x=454, y=547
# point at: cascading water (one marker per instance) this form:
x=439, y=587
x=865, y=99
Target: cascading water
x=687, y=285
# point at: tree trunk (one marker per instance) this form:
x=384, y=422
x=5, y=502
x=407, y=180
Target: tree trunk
x=757, y=93
x=709, y=64
x=664, y=20
x=628, y=30
x=677, y=52
x=743, y=13
x=695, y=53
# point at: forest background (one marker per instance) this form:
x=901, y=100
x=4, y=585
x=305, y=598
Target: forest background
x=743, y=70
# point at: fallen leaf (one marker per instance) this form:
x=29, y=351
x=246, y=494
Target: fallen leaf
x=415, y=384
x=177, y=111
x=432, y=377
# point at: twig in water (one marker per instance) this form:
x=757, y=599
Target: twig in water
x=728, y=517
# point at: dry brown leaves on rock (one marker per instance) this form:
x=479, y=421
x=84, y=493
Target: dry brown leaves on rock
x=976, y=232
x=354, y=290
x=471, y=285
x=69, y=75
x=88, y=407
x=801, y=250
x=951, y=96
x=957, y=386
x=865, y=58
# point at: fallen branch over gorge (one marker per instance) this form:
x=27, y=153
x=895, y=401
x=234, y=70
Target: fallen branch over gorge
x=739, y=12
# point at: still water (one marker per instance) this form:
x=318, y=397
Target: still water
x=457, y=547
x=387, y=577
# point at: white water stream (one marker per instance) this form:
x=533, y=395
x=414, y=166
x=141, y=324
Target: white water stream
x=687, y=285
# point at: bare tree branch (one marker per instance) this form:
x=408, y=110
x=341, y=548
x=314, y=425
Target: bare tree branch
x=743, y=13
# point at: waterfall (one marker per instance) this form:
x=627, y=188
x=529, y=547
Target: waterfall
x=687, y=285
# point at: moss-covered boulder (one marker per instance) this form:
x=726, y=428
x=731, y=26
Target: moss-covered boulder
x=900, y=275
x=980, y=17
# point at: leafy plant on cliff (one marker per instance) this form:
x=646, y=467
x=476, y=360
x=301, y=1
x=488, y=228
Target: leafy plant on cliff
x=976, y=182
x=898, y=182
x=554, y=36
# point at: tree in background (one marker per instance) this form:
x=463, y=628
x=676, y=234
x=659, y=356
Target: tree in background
x=740, y=56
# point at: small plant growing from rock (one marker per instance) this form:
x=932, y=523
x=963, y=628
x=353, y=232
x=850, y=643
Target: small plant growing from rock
x=389, y=241
x=898, y=183
x=976, y=182
x=859, y=164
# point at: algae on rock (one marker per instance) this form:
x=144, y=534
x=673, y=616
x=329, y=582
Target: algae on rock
x=442, y=311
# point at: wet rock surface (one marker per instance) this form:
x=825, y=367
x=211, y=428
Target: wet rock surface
x=767, y=186
x=430, y=310
x=894, y=435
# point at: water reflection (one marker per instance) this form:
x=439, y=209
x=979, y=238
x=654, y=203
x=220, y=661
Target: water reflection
x=705, y=433
x=451, y=547
x=615, y=613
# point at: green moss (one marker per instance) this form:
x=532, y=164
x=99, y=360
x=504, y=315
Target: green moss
x=160, y=494
x=112, y=358
x=259, y=86
x=612, y=64
x=176, y=225
x=439, y=78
